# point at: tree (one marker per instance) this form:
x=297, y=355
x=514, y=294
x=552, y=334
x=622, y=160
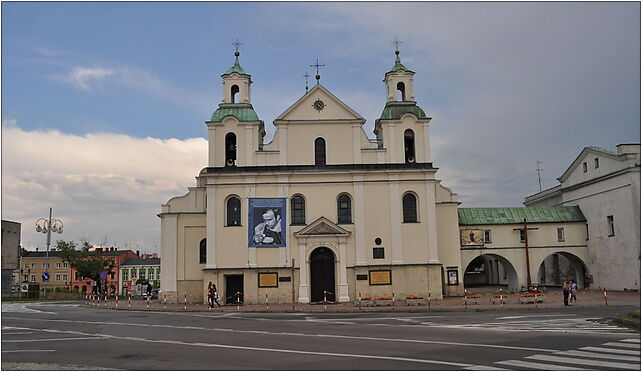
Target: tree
x=88, y=264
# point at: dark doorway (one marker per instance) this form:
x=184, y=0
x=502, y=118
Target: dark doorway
x=322, y=274
x=233, y=285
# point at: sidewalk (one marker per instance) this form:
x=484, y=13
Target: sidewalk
x=586, y=299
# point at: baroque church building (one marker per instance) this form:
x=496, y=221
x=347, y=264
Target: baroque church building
x=321, y=210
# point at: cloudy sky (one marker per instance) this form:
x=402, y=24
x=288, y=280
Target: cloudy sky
x=104, y=104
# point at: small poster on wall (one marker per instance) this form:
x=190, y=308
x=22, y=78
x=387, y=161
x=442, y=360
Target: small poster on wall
x=267, y=222
x=472, y=237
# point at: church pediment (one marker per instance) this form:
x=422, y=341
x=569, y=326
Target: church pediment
x=322, y=226
x=319, y=104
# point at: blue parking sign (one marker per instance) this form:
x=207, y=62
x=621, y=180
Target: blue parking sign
x=103, y=275
x=45, y=277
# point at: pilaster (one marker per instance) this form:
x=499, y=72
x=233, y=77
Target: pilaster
x=211, y=141
x=283, y=144
x=392, y=143
x=343, y=274
x=395, y=218
x=211, y=227
x=249, y=146
x=356, y=143
x=431, y=222
x=304, y=292
x=359, y=223
x=427, y=157
x=250, y=189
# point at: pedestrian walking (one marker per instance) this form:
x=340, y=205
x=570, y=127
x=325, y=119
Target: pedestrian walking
x=214, y=295
x=573, y=292
x=210, y=301
x=565, y=292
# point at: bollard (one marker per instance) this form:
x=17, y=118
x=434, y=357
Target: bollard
x=267, y=302
x=238, y=301
x=116, y=301
x=535, y=299
x=393, y=300
x=185, y=302
x=147, y=307
x=359, y=300
x=93, y=300
x=606, y=301
x=165, y=301
x=465, y=299
x=501, y=298
x=325, y=306
x=129, y=302
x=105, y=300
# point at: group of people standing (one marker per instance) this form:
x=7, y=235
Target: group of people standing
x=569, y=289
x=212, y=295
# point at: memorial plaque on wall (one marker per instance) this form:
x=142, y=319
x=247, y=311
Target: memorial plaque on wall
x=380, y=277
x=362, y=276
x=268, y=280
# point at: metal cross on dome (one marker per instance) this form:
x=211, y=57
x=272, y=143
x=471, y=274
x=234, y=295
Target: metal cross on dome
x=317, y=65
x=396, y=42
x=237, y=44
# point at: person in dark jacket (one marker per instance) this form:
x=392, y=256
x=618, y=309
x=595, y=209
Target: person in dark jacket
x=565, y=292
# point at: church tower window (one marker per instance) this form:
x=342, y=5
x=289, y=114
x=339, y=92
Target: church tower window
x=319, y=151
x=297, y=206
x=344, y=209
x=401, y=91
x=234, y=93
x=230, y=149
x=409, y=203
x=409, y=146
x=202, y=251
x=233, y=211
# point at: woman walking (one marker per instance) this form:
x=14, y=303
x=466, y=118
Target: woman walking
x=214, y=295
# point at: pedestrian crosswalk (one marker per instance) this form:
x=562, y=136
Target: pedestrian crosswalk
x=21, y=307
x=623, y=354
x=565, y=325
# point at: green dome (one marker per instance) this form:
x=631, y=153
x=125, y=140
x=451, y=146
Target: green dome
x=396, y=111
x=242, y=113
x=398, y=65
x=236, y=68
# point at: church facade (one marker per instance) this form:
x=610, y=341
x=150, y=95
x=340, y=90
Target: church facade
x=321, y=211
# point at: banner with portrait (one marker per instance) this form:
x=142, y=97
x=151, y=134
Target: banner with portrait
x=267, y=222
x=472, y=237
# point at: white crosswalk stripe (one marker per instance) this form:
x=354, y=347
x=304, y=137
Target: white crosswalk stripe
x=634, y=340
x=484, y=368
x=21, y=308
x=579, y=325
x=618, y=355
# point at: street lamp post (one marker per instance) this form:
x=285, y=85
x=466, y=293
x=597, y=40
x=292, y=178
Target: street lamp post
x=46, y=226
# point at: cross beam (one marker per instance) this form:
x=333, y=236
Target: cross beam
x=528, y=261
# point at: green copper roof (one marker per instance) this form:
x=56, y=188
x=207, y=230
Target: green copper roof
x=603, y=150
x=396, y=111
x=503, y=216
x=242, y=113
x=398, y=66
x=236, y=68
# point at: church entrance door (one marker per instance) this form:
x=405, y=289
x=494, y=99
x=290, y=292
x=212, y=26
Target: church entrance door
x=322, y=274
x=233, y=285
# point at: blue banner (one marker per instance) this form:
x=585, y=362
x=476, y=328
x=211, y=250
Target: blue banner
x=267, y=222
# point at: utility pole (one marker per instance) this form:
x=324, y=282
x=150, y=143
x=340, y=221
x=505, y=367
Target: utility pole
x=528, y=260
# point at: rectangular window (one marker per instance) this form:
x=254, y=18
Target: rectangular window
x=487, y=237
x=33, y=265
x=125, y=276
x=151, y=276
x=57, y=277
x=609, y=219
x=26, y=266
x=45, y=265
x=584, y=167
x=158, y=276
x=597, y=162
x=65, y=265
x=58, y=265
x=33, y=278
x=298, y=210
x=378, y=253
x=560, y=234
x=522, y=236
x=111, y=276
x=64, y=277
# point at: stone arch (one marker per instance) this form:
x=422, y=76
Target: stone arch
x=507, y=275
x=566, y=266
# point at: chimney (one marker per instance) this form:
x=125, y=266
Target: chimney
x=628, y=148
x=138, y=253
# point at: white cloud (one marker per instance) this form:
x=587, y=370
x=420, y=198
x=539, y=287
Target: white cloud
x=89, y=79
x=100, y=184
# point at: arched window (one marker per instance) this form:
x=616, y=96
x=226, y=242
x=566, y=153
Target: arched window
x=233, y=211
x=297, y=207
x=234, y=92
x=202, y=251
x=401, y=89
x=409, y=207
x=344, y=209
x=319, y=151
x=230, y=149
x=409, y=146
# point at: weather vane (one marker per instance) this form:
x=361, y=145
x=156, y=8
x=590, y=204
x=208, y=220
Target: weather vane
x=317, y=65
x=396, y=42
x=306, y=76
x=236, y=45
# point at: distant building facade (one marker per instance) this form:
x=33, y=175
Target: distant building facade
x=145, y=269
x=10, y=253
x=606, y=186
x=117, y=257
x=34, y=264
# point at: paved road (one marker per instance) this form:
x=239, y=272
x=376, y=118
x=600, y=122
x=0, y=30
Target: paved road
x=63, y=334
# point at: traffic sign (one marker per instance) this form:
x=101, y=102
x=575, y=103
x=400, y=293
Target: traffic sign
x=103, y=275
x=45, y=277
x=134, y=279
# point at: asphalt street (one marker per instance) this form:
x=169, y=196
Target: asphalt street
x=71, y=334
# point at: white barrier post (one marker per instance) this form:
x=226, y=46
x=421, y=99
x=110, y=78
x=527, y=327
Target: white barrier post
x=325, y=303
x=165, y=301
x=535, y=296
x=116, y=301
x=105, y=299
x=429, y=300
x=606, y=301
x=393, y=300
x=185, y=301
x=465, y=299
x=267, y=302
x=129, y=302
x=238, y=301
x=501, y=298
x=147, y=308
x=359, y=300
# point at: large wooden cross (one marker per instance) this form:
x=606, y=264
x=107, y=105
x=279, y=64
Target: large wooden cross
x=528, y=261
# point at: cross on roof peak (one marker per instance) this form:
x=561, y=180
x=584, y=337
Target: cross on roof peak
x=236, y=45
x=396, y=42
x=317, y=65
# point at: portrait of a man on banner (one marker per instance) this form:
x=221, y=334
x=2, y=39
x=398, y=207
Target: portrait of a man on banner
x=267, y=222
